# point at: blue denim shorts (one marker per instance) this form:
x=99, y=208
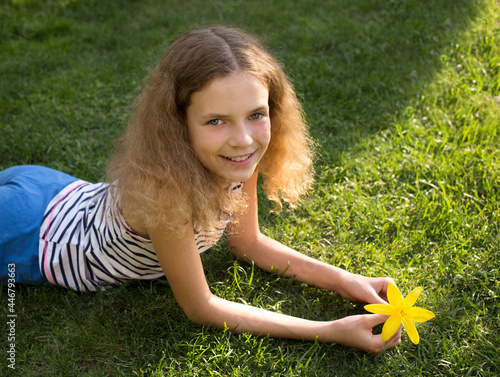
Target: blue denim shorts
x=25, y=193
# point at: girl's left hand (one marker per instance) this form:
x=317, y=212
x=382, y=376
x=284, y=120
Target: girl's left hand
x=365, y=289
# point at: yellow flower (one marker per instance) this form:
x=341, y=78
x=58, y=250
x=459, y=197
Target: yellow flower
x=401, y=311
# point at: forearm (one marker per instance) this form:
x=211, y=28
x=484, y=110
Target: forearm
x=273, y=256
x=242, y=318
x=353, y=331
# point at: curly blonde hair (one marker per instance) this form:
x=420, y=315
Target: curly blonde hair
x=159, y=179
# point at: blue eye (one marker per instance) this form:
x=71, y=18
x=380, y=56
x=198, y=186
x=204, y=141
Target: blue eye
x=214, y=122
x=256, y=116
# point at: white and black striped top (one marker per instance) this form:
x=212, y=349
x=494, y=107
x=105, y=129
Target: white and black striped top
x=85, y=243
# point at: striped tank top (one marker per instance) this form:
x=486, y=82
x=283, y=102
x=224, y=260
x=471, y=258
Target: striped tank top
x=85, y=243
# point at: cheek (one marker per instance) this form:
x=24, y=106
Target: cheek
x=262, y=132
x=207, y=141
x=266, y=134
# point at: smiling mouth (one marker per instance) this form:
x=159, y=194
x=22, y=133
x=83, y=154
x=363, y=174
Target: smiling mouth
x=238, y=159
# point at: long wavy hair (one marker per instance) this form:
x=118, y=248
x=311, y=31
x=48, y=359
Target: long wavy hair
x=159, y=180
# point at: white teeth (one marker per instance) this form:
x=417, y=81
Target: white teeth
x=239, y=159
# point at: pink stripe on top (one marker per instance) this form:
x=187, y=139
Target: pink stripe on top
x=47, y=270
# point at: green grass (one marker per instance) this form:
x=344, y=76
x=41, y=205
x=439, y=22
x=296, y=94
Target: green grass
x=404, y=100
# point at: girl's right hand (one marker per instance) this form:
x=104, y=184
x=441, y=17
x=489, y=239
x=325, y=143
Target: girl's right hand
x=356, y=331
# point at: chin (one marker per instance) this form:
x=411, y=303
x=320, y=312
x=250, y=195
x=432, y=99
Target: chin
x=237, y=178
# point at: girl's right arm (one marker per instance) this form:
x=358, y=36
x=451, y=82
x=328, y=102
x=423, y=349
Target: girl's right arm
x=183, y=268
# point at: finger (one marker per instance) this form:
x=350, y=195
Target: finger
x=398, y=332
x=380, y=299
x=390, y=280
x=386, y=282
x=378, y=347
x=379, y=290
x=375, y=319
x=395, y=340
x=381, y=346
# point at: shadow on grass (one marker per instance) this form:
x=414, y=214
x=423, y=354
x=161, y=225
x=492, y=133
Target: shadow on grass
x=358, y=64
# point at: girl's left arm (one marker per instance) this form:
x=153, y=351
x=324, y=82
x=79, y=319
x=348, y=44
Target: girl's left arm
x=248, y=243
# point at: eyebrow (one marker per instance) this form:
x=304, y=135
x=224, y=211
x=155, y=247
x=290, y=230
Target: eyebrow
x=216, y=116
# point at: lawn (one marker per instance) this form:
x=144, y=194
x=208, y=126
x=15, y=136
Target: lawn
x=403, y=98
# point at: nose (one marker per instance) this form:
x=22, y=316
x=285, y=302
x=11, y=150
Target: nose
x=241, y=135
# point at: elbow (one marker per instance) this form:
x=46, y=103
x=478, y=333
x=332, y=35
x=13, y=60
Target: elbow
x=237, y=251
x=197, y=319
x=242, y=247
x=200, y=313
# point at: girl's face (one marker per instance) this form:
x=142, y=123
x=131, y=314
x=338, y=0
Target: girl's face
x=229, y=125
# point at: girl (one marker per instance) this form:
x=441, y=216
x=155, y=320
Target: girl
x=216, y=112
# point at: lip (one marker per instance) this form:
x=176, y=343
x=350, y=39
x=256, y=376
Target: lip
x=245, y=162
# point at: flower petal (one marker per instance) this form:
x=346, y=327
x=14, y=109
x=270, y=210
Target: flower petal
x=419, y=314
x=390, y=327
x=411, y=298
x=393, y=295
x=380, y=309
x=411, y=330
